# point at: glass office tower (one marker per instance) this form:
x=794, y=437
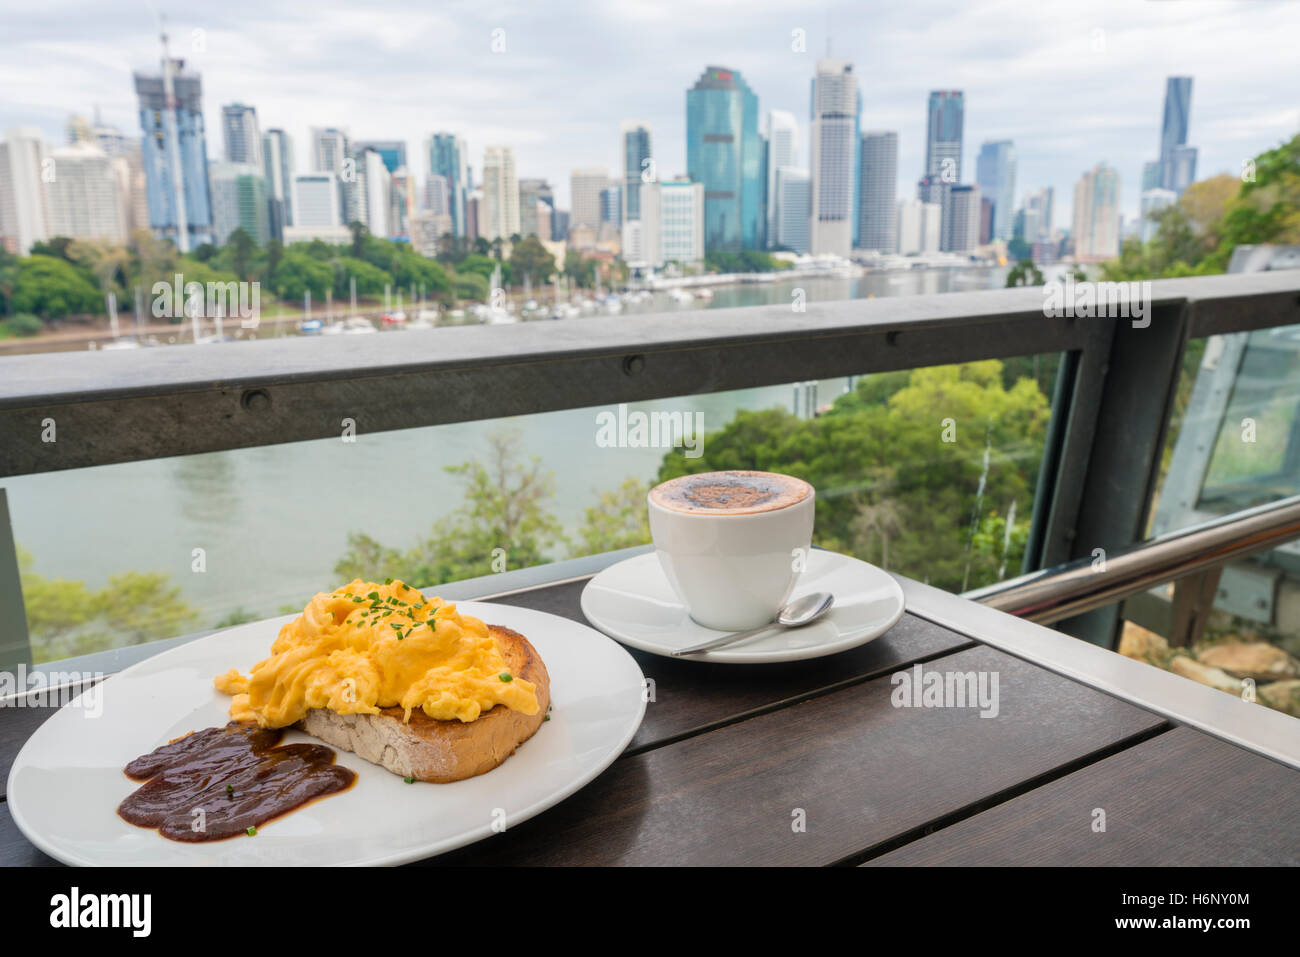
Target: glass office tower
x=724, y=154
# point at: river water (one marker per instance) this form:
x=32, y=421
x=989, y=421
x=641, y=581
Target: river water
x=273, y=521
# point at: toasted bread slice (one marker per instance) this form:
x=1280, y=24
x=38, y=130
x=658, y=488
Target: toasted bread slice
x=430, y=750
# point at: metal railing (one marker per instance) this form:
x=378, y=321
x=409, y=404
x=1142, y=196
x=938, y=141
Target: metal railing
x=1101, y=461
x=1197, y=554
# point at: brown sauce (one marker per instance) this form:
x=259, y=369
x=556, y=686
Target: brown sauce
x=239, y=776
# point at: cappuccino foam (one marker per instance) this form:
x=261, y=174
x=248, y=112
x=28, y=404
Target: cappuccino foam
x=730, y=493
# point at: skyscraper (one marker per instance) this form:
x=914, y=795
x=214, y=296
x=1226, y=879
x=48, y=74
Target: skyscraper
x=878, y=206
x=1153, y=200
x=329, y=150
x=239, y=134
x=672, y=222
x=316, y=200
x=174, y=152
x=1152, y=173
x=392, y=152
x=794, y=209
x=1176, y=168
x=448, y=159
x=316, y=210
x=535, y=195
x=83, y=198
x=995, y=171
x=611, y=205
x=500, y=210
x=635, y=143
x=128, y=167
x=782, y=151
x=943, y=135
x=402, y=204
x=833, y=161
x=367, y=198
x=277, y=166
x=437, y=200
x=473, y=207
x=1180, y=168
x=24, y=210
x=1096, y=215
x=585, y=186
x=918, y=227
x=961, y=220
x=1037, y=216
x=560, y=225
x=724, y=154
x=239, y=201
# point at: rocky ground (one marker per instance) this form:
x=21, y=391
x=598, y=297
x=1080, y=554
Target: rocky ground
x=1239, y=665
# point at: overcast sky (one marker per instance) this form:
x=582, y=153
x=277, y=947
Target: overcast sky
x=1072, y=83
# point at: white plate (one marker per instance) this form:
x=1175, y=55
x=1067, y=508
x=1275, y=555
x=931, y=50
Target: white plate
x=67, y=781
x=633, y=602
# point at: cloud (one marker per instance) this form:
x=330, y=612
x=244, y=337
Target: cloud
x=1071, y=82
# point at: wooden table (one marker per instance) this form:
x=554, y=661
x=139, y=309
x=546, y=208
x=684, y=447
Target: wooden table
x=731, y=760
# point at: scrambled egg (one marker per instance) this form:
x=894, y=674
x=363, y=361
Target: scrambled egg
x=364, y=647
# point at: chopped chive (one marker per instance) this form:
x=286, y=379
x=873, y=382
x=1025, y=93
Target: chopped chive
x=388, y=581
x=506, y=676
x=230, y=790
x=374, y=595
x=252, y=831
x=409, y=780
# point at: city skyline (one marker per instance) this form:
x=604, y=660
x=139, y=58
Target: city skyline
x=1062, y=125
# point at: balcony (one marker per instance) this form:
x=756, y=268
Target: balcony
x=1111, y=503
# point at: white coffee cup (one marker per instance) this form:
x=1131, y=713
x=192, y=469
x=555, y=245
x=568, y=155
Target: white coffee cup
x=733, y=567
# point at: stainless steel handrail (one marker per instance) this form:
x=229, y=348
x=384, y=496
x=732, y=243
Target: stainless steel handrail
x=1064, y=591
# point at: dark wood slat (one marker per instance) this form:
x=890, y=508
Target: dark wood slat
x=1181, y=799
x=16, y=850
x=691, y=696
x=862, y=770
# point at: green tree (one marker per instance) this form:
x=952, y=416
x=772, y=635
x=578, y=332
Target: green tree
x=1267, y=208
x=411, y=271
x=504, y=522
x=8, y=279
x=484, y=266
x=23, y=324
x=580, y=269
x=52, y=288
x=1024, y=273
x=56, y=247
x=371, y=280
x=881, y=520
x=274, y=253
x=297, y=273
x=242, y=248
x=359, y=234
x=619, y=519
x=530, y=258
x=152, y=260
x=471, y=286
x=65, y=618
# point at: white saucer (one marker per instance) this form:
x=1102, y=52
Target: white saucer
x=632, y=602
